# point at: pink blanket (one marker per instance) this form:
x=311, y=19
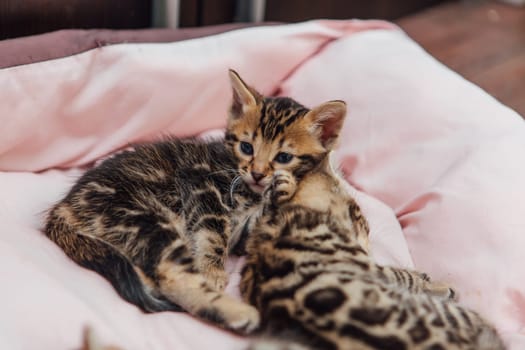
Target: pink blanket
x=436, y=164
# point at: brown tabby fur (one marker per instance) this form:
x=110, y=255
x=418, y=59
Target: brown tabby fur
x=159, y=221
x=309, y=273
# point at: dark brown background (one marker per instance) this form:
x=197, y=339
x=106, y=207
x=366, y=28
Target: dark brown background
x=25, y=17
x=297, y=10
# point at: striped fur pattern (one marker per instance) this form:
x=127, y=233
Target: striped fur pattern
x=159, y=220
x=309, y=273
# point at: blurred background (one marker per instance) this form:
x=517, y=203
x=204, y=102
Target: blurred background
x=24, y=17
x=483, y=40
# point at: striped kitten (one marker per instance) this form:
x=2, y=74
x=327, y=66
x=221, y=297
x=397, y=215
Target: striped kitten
x=309, y=274
x=159, y=221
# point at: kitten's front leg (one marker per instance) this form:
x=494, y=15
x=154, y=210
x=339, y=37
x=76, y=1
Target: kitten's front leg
x=281, y=189
x=437, y=288
x=211, y=249
x=416, y=281
x=260, y=249
x=185, y=286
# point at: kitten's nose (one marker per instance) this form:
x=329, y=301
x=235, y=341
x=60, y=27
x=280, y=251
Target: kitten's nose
x=257, y=176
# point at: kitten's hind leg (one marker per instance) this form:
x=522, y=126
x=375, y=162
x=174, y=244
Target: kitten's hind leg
x=416, y=281
x=183, y=284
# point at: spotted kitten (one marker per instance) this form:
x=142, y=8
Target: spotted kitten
x=158, y=221
x=309, y=273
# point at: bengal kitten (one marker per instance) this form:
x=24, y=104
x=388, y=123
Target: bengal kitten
x=158, y=221
x=309, y=273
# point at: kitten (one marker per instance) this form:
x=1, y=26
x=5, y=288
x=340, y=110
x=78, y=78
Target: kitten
x=158, y=221
x=309, y=274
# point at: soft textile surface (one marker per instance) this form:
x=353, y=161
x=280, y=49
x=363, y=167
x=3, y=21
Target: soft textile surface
x=445, y=156
x=62, y=43
x=420, y=143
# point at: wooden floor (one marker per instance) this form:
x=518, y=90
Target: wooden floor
x=482, y=40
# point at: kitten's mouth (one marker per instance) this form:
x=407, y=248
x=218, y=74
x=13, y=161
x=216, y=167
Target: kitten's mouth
x=256, y=187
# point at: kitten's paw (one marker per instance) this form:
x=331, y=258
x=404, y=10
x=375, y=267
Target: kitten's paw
x=441, y=290
x=244, y=319
x=217, y=278
x=282, y=188
x=232, y=314
x=425, y=277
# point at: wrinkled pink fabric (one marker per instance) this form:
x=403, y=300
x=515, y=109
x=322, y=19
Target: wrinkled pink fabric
x=437, y=164
x=70, y=111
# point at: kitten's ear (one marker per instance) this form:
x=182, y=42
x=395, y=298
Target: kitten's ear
x=244, y=97
x=327, y=120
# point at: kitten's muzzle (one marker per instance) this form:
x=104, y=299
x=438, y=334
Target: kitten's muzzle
x=257, y=176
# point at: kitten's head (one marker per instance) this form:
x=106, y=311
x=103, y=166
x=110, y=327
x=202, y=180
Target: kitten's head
x=271, y=133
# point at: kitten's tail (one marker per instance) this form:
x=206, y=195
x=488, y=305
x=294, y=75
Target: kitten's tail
x=99, y=256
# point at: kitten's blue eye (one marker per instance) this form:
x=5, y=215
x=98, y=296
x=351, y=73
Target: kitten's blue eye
x=283, y=158
x=246, y=148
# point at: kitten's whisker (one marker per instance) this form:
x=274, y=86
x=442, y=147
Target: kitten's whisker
x=233, y=185
x=227, y=171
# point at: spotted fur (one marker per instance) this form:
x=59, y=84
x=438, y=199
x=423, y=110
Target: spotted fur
x=309, y=273
x=159, y=220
